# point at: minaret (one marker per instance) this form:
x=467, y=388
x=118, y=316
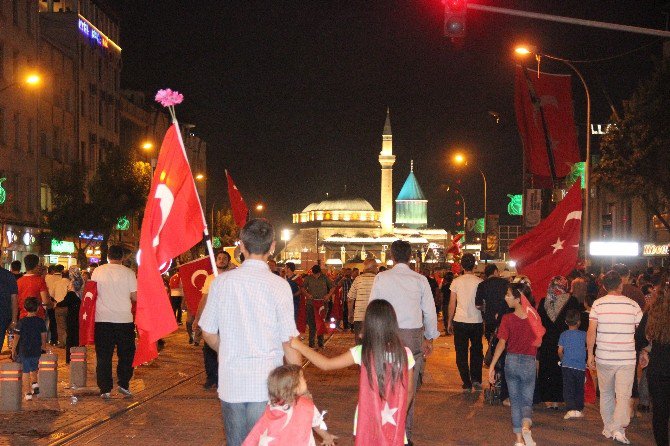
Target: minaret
x=387, y=159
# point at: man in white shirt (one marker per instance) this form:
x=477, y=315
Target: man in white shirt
x=612, y=323
x=114, y=327
x=466, y=324
x=60, y=288
x=359, y=295
x=412, y=300
x=248, y=320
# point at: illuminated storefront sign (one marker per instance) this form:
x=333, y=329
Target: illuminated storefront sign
x=123, y=224
x=3, y=193
x=652, y=250
x=614, y=249
x=92, y=33
x=600, y=129
x=515, y=205
x=62, y=247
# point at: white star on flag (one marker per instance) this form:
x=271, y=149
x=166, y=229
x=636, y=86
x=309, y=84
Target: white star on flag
x=558, y=245
x=387, y=414
x=84, y=316
x=265, y=439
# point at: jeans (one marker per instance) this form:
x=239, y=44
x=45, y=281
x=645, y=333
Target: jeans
x=412, y=338
x=296, y=308
x=211, y=358
x=239, y=419
x=520, y=376
x=107, y=336
x=469, y=334
x=659, y=389
x=616, y=386
x=573, y=388
x=311, y=323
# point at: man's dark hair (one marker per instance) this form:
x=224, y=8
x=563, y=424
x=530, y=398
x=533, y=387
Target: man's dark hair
x=257, y=236
x=468, y=262
x=60, y=268
x=31, y=261
x=291, y=266
x=611, y=281
x=572, y=317
x=224, y=252
x=621, y=269
x=490, y=269
x=401, y=251
x=115, y=252
x=51, y=269
x=355, y=269
x=316, y=269
x=31, y=304
x=15, y=266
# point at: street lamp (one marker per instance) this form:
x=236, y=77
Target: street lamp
x=460, y=160
x=586, y=222
x=200, y=177
x=31, y=80
x=147, y=145
x=260, y=207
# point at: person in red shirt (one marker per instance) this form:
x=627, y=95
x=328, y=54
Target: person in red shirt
x=32, y=284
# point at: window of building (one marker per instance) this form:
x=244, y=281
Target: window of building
x=30, y=184
x=2, y=61
x=15, y=64
x=15, y=12
x=82, y=102
x=82, y=153
x=31, y=135
x=45, y=198
x=17, y=131
x=101, y=112
x=2, y=125
x=29, y=16
x=43, y=144
x=56, y=144
x=16, y=192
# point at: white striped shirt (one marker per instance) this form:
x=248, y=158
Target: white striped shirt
x=252, y=310
x=360, y=293
x=617, y=317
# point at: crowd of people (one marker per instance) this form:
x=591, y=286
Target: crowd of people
x=587, y=334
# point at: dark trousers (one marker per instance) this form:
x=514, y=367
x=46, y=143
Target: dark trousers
x=573, y=388
x=296, y=308
x=358, y=328
x=412, y=338
x=311, y=323
x=211, y=364
x=176, y=301
x=659, y=389
x=469, y=335
x=109, y=335
x=53, y=326
x=4, y=325
x=345, y=314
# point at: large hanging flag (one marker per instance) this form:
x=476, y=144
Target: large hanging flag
x=237, y=204
x=173, y=222
x=193, y=275
x=551, y=248
x=546, y=123
x=87, y=314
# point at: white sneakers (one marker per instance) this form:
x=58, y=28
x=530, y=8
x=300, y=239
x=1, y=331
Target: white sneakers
x=527, y=436
x=620, y=437
x=573, y=414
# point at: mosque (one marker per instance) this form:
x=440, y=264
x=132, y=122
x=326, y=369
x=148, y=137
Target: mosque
x=348, y=229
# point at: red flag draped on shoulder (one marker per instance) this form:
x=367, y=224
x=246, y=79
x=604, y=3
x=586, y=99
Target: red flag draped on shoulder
x=551, y=248
x=173, y=222
x=87, y=314
x=237, y=204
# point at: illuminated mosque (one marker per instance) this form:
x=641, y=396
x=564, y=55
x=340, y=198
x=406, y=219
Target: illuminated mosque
x=347, y=230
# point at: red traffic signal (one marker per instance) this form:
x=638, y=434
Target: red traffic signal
x=454, y=18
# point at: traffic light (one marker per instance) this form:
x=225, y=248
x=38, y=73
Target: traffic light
x=454, y=18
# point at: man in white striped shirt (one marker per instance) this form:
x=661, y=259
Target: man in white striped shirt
x=612, y=324
x=358, y=296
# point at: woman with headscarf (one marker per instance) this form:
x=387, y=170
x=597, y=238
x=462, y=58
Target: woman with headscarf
x=552, y=311
x=72, y=302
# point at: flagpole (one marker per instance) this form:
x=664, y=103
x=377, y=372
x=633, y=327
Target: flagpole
x=205, y=232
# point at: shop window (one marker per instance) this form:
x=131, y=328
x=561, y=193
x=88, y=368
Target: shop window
x=45, y=198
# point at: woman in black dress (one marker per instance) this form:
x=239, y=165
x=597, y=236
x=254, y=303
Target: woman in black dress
x=552, y=311
x=72, y=301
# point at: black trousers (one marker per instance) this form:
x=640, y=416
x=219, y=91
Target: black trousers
x=659, y=389
x=176, y=301
x=573, y=388
x=469, y=335
x=345, y=314
x=311, y=323
x=109, y=335
x=211, y=364
x=53, y=326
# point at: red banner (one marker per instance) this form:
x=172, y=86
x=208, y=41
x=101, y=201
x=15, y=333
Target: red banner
x=87, y=314
x=545, y=117
x=237, y=204
x=193, y=275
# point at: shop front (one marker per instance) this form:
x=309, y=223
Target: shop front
x=655, y=254
x=18, y=242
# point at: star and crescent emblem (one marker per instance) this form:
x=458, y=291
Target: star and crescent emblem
x=574, y=215
x=387, y=414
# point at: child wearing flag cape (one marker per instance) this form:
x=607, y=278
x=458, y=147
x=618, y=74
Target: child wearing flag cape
x=385, y=381
x=290, y=415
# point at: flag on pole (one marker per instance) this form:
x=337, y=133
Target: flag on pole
x=193, y=275
x=551, y=248
x=173, y=222
x=87, y=314
x=237, y=204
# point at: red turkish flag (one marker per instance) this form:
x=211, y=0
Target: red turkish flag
x=381, y=422
x=193, y=275
x=320, y=312
x=549, y=95
x=87, y=314
x=551, y=248
x=534, y=321
x=237, y=204
x=455, y=245
x=279, y=427
x=173, y=222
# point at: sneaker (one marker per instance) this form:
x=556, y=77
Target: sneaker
x=477, y=386
x=467, y=388
x=573, y=414
x=29, y=396
x=527, y=436
x=125, y=392
x=620, y=437
x=209, y=385
x=36, y=389
x=106, y=396
x=607, y=434
x=506, y=403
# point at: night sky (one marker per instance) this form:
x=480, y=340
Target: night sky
x=291, y=96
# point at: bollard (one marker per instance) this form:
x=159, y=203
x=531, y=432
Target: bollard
x=11, y=392
x=78, y=367
x=48, y=375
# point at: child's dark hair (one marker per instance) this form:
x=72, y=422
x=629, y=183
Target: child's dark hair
x=572, y=317
x=31, y=304
x=382, y=349
x=282, y=384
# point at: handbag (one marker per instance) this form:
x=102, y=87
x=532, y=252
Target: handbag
x=490, y=351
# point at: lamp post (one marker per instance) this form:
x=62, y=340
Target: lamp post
x=586, y=222
x=459, y=159
x=31, y=80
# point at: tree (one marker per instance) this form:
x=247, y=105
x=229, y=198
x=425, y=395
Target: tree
x=635, y=153
x=225, y=228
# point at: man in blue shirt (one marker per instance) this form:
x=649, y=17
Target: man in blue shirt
x=8, y=303
x=572, y=351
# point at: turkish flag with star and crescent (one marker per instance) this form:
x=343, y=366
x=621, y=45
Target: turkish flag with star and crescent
x=237, y=204
x=87, y=314
x=173, y=222
x=193, y=275
x=551, y=248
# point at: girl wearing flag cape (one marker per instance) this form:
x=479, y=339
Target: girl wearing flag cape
x=520, y=333
x=385, y=381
